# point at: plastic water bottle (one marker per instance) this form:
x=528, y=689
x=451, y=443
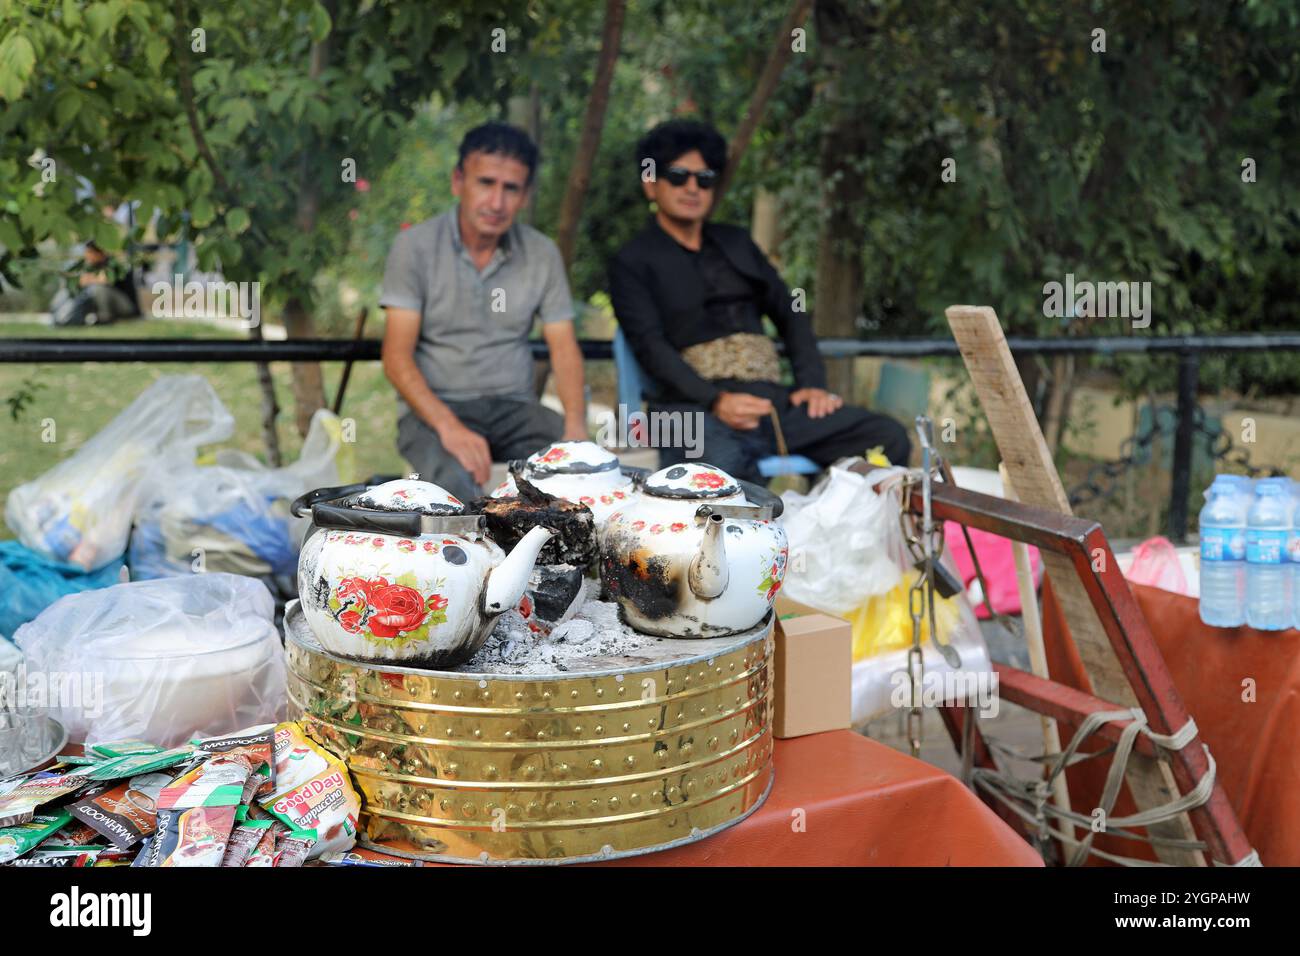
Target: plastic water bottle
x=1293, y=552
x=1268, y=526
x=1223, y=552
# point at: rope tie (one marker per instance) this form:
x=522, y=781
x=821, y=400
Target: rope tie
x=1013, y=792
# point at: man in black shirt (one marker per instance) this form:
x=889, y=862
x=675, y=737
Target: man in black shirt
x=690, y=296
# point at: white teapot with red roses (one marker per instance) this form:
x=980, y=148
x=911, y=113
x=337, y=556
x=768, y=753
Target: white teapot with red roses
x=580, y=471
x=696, y=554
x=399, y=573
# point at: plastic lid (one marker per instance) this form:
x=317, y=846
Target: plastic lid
x=410, y=494
x=691, y=481
x=571, y=458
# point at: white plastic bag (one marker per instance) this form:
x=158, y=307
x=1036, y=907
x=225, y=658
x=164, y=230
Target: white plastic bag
x=846, y=547
x=80, y=510
x=845, y=542
x=161, y=661
x=233, y=516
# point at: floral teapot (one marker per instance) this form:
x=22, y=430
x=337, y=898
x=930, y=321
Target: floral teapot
x=693, y=556
x=400, y=573
x=580, y=471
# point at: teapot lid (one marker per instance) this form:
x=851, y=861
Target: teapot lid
x=410, y=494
x=571, y=458
x=691, y=481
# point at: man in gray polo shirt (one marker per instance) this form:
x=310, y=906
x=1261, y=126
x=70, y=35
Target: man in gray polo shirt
x=461, y=292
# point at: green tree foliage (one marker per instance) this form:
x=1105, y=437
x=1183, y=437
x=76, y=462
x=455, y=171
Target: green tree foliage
x=1121, y=165
x=102, y=91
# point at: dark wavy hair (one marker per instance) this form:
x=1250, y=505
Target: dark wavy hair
x=500, y=139
x=675, y=138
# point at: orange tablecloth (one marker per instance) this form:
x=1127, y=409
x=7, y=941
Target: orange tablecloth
x=1256, y=744
x=865, y=805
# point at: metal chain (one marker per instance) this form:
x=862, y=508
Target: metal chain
x=915, y=664
x=1097, y=482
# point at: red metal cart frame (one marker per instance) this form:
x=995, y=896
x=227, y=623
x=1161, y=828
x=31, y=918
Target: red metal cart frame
x=1084, y=543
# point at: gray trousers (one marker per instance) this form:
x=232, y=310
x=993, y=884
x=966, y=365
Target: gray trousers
x=513, y=429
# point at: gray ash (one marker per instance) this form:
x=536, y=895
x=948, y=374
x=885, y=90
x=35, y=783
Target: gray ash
x=595, y=631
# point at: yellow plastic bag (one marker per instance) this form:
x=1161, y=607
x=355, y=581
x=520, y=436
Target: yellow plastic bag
x=884, y=622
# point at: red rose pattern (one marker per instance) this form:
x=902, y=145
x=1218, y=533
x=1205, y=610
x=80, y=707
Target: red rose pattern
x=397, y=608
x=708, y=479
x=387, y=610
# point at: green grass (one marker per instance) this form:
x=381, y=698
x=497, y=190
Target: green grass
x=82, y=398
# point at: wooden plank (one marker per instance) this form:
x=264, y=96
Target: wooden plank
x=1033, y=473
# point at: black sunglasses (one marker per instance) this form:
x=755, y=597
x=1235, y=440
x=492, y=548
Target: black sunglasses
x=704, y=178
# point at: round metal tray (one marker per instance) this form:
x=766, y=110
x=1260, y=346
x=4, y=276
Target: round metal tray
x=44, y=740
x=626, y=756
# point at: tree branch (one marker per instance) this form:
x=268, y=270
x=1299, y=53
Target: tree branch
x=187, y=98
x=782, y=50
x=593, y=121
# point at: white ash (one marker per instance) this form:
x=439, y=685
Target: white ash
x=595, y=631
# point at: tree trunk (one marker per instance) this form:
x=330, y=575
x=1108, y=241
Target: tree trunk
x=593, y=122
x=839, y=280
x=270, y=407
x=1053, y=419
x=526, y=113
x=777, y=58
x=765, y=225
x=308, y=384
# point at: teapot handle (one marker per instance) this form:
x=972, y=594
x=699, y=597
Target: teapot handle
x=403, y=523
x=304, y=503
x=758, y=495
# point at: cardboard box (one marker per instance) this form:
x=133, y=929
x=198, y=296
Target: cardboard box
x=814, y=672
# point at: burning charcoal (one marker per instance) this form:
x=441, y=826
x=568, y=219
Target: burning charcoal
x=509, y=519
x=556, y=590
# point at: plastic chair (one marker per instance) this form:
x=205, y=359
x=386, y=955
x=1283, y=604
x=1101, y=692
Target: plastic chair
x=630, y=379
x=903, y=391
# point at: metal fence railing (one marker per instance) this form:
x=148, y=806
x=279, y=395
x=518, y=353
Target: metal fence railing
x=1189, y=349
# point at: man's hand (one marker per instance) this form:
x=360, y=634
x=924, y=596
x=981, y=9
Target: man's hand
x=469, y=448
x=575, y=431
x=740, y=410
x=820, y=402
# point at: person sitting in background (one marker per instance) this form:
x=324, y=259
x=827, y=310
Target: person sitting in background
x=461, y=291
x=106, y=292
x=690, y=297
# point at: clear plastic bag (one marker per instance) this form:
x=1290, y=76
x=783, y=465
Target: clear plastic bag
x=80, y=510
x=845, y=542
x=232, y=516
x=161, y=661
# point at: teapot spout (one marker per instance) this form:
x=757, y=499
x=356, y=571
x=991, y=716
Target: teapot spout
x=508, y=580
x=707, y=575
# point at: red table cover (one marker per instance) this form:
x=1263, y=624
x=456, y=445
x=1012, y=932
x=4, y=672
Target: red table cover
x=864, y=805
x=1256, y=743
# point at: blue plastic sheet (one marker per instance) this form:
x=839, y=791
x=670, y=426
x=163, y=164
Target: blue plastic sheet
x=30, y=583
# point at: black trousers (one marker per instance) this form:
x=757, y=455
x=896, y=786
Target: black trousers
x=846, y=431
